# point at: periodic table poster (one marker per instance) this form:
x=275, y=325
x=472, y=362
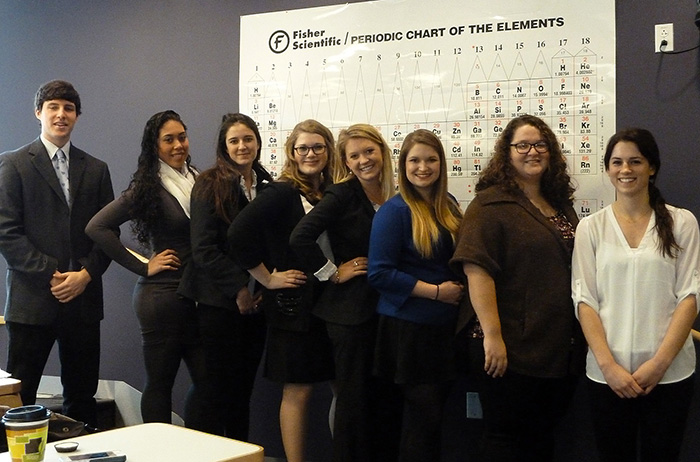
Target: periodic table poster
x=460, y=69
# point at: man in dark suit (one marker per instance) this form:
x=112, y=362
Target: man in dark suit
x=49, y=190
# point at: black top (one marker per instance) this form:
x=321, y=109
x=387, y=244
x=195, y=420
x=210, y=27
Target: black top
x=260, y=234
x=175, y=235
x=346, y=214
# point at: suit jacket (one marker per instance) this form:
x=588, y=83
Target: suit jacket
x=260, y=234
x=215, y=277
x=40, y=234
x=346, y=214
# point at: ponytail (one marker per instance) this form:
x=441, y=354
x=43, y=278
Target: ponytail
x=664, y=223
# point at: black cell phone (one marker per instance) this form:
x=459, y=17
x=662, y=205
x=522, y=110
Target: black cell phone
x=105, y=456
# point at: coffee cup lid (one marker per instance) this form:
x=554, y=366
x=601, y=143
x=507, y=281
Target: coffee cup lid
x=28, y=413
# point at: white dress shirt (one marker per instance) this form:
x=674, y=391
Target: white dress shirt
x=52, y=148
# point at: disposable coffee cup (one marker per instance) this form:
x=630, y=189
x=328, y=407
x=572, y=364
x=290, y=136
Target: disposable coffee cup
x=27, y=428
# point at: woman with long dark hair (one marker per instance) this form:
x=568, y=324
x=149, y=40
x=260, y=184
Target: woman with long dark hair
x=157, y=202
x=231, y=325
x=635, y=287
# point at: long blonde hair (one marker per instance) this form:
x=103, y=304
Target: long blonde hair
x=290, y=172
x=368, y=132
x=426, y=216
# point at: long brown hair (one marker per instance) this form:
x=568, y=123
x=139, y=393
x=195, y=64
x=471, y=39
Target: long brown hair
x=219, y=184
x=424, y=215
x=646, y=144
x=147, y=208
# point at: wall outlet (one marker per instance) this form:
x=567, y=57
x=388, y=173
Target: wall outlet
x=663, y=32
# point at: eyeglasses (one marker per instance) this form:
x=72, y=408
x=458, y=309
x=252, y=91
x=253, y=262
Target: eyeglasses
x=316, y=148
x=524, y=148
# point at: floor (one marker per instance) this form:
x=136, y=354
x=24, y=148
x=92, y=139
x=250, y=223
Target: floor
x=460, y=434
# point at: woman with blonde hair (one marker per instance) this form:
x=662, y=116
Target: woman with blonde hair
x=411, y=242
x=348, y=305
x=298, y=351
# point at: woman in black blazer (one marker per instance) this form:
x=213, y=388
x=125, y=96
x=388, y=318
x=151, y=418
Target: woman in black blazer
x=364, y=181
x=298, y=350
x=231, y=326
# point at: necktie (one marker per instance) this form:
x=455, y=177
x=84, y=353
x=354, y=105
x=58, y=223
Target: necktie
x=61, y=166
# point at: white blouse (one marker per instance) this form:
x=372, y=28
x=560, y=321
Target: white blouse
x=635, y=291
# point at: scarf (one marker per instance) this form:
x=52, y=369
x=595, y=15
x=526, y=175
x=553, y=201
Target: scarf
x=178, y=184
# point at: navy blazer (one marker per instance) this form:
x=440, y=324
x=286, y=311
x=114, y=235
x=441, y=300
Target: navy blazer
x=40, y=234
x=346, y=214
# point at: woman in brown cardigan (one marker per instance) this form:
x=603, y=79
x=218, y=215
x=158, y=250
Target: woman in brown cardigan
x=515, y=247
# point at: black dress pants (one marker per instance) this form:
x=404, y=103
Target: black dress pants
x=648, y=428
x=521, y=412
x=233, y=345
x=78, y=351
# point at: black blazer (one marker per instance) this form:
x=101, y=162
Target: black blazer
x=346, y=213
x=215, y=277
x=40, y=234
x=260, y=234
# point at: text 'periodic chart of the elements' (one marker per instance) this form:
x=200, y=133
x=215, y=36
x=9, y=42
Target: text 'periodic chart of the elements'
x=459, y=69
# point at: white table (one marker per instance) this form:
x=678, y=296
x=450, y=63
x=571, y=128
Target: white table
x=156, y=442
x=9, y=392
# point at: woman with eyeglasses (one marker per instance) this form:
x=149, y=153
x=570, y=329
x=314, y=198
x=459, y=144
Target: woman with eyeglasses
x=515, y=243
x=364, y=181
x=298, y=352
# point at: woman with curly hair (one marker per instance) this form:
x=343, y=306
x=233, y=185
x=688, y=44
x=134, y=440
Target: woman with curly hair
x=231, y=325
x=411, y=242
x=298, y=352
x=515, y=246
x=157, y=202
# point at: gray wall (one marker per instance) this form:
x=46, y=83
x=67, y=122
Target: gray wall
x=130, y=59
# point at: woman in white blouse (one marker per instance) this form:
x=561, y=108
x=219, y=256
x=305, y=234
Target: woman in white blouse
x=635, y=289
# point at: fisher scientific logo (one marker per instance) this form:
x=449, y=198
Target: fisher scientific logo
x=279, y=41
x=302, y=39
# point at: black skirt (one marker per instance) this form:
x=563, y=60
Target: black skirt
x=299, y=357
x=412, y=353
